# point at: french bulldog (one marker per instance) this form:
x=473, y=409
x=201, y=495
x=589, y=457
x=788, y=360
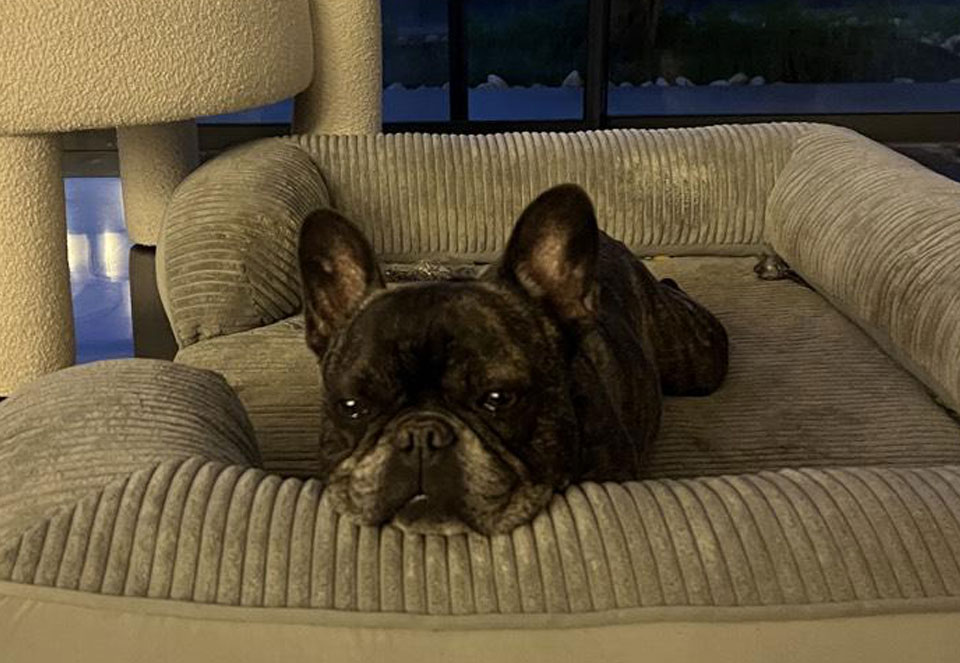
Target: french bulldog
x=468, y=403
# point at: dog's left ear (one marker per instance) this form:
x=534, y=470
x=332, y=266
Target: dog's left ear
x=338, y=270
x=552, y=253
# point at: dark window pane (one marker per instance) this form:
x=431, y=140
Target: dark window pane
x=526, y=58
x=715, y=57
x=415, y=61
x=278, y=113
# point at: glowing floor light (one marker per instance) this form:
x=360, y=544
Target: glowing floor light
x=113, y=254
x=78, y=255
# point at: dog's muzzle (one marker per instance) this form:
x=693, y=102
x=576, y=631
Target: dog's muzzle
x=424, y=444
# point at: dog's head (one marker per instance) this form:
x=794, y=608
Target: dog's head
x=451, y=401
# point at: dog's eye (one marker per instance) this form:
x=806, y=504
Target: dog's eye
x=352, y=408
x=496, y=401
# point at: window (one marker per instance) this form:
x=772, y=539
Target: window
x=526, y=59
x=888, y=68
x=415, y=61
x=716, y=57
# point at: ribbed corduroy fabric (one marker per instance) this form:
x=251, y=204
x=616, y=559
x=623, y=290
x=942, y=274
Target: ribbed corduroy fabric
x=676, y=190
x=880, y=235
x=71, y=432
x=227, y=256
x=805, y=387
x=207, y=532
x=255, y=363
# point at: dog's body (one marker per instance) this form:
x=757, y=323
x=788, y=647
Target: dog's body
x=474, y=401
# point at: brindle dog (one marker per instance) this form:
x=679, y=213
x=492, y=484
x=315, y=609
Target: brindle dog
x=472, y=402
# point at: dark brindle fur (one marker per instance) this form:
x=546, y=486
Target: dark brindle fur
x=474, y=401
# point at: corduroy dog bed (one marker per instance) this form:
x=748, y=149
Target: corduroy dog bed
x=809, y=507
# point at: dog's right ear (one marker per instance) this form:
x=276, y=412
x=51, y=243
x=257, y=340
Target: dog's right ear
x=338, y=270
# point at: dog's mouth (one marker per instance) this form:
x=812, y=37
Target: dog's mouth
x=420, y=514
x=432, y=508
x=424, y=514
x=423, y=507
x=465, y=484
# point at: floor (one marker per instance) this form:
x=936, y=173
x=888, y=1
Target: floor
x=116, y=307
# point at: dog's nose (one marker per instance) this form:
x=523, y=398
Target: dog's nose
x=427, y=433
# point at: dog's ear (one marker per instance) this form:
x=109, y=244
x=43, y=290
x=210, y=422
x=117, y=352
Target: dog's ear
x=552, y=253
x=338, y=270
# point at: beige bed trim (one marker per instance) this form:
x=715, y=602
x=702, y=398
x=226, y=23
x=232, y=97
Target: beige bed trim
x=11, y=591
x=96, y=628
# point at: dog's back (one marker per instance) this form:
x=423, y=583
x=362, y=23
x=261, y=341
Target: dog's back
x=651, y=339
x=688, y=343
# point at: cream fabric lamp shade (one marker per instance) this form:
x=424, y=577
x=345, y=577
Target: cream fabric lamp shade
x=148, y=68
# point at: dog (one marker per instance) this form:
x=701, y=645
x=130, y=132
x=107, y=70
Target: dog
x=466, y=404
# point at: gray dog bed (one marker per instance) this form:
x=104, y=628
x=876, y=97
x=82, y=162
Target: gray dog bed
x=810, y=505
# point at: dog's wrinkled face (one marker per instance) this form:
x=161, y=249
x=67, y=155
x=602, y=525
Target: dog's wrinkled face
x=450, y=402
